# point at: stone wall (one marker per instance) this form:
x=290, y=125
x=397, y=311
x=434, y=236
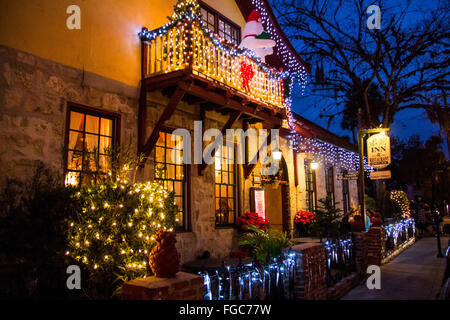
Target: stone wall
x=33, y=104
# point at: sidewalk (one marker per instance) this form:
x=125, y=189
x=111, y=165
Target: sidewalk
x=416, y=274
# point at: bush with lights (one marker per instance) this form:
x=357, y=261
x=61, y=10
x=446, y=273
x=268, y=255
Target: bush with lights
x=396, y=205
x=114, y=231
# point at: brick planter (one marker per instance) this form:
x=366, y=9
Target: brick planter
x=360, y=243
x=376, y=239
x=185, y=286
x=310, y=272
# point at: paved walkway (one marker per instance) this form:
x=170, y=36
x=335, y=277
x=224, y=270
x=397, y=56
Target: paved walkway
x=415, y=274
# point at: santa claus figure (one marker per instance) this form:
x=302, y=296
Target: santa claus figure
x=254, y=37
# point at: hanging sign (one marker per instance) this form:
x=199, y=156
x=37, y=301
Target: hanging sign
x=379, y=151
x=257, y=202
x=352, y=175
x=375, y=175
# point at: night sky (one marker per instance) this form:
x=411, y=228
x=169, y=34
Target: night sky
x=407, y=122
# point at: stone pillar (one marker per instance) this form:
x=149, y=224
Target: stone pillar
x=376, y=239
x=185, y=286
x=310, y=272
x=361, y=251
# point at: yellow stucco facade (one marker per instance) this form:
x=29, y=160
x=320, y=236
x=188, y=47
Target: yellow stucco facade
x=107, y=43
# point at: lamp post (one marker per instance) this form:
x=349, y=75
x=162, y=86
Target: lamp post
x=361, y=168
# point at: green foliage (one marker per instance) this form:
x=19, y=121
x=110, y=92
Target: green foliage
x=370, y=203
x=327, y=219
x=32, y=214
x=114, y=231
x=264, y=245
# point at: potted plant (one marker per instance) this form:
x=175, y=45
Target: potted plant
x=251, y=219
x=302, y=222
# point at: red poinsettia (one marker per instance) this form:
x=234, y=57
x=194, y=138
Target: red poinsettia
x=304, y=217
x=253, y=219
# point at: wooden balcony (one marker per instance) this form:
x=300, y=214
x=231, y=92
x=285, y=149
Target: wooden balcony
x=187, y=63
x=186, y=47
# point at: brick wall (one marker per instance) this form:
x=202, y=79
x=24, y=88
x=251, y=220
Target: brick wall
x=310, y=272
x=361, y=245
x=376, y=239
x=185, y=286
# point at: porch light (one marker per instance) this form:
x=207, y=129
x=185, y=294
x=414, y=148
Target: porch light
x=314, y=165
x=276, y=155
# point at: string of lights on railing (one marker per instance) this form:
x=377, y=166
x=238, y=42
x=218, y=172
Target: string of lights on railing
x=250, y=281
x=399, y=229
x=230, y=49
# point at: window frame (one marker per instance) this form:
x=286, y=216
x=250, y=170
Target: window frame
x=217, y=17
x=87, y=110
x=345, y=194
x=328, y=185
x=236, y=192
x=186, y=227
x=310, y=172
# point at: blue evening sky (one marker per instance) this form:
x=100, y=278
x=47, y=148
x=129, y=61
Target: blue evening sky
x=407, y=122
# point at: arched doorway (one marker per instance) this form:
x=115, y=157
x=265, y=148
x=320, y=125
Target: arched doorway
x=277, y=200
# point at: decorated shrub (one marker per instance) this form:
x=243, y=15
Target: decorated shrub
x=252, y=218
x=395, y=204
x=115, y=230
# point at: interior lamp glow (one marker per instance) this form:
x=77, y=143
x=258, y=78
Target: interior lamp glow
x=314, y=165
x=276, y=155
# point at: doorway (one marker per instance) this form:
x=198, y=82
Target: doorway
x=277, y=201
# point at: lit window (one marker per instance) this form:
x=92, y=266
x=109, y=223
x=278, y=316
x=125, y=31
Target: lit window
x=171, y=172
x=310, y=183
x=220, y=25
x=225, y=177
x=329, y=182
x=91, y=137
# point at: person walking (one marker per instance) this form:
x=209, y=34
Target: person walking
x=421, y=219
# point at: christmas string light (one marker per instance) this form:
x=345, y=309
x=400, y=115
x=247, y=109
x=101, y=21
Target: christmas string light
x=117, y=233
x=250, y=281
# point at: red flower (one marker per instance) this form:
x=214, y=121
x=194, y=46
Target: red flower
x=304, y=217
x=253, y=219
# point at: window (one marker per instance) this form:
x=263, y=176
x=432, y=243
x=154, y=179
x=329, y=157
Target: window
x=220, y=25
x=171, y=172
x=90, y=137
x=310, y=182
x=225, y=177
x=329, y=182
x=345, y=196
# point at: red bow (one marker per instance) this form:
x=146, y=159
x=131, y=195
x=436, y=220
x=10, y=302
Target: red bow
x=247, y=74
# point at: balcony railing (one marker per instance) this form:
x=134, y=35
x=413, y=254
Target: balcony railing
x=186, y=46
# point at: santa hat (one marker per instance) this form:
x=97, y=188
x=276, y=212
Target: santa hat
x=254, y=16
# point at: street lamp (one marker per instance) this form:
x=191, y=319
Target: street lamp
x=314, y=165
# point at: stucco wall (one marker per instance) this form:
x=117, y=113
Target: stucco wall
x=107, y=43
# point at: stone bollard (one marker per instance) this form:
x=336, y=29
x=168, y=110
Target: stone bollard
x=310, y=272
